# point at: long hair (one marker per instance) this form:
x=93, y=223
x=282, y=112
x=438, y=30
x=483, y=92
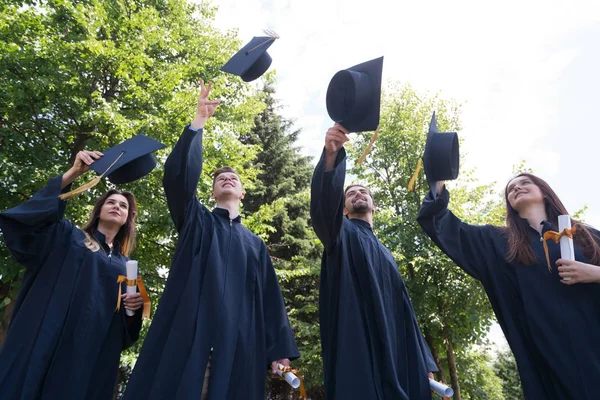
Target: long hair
x=517, y=229
x=125, y=236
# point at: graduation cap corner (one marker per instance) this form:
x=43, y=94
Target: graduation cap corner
x=440, y=158
x=123, y=163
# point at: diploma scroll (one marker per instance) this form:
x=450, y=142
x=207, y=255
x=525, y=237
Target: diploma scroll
x=290, y=378
x=441, y=389
x=132, y=270
x=566, y=243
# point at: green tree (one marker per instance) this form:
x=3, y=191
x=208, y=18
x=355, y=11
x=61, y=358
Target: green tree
x=478, y=379
x=505, y=367
x=277, y=208
x=452, y=308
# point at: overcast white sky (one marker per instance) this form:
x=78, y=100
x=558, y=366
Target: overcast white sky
x=527, y=71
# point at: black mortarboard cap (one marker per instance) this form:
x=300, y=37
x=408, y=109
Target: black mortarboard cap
x=123, y=163
x=441, y=156
x=136, y=162
x=354, y=96
x=252, y=60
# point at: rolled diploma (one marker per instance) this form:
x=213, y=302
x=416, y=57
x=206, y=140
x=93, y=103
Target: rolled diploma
x=132, y=271
x=566, y=244
x=289, y=377
x=441, y=389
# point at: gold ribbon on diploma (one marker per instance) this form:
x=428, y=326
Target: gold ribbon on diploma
x=555, y=236
x=140, y=284
x=285, y=369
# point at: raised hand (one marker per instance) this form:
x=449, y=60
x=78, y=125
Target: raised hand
x=206, y=107
x=335, y=138
x=84, y=159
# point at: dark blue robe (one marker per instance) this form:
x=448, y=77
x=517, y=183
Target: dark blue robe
x=222, y=293
x=372, y=345
x=65, y=338
x=553, y=329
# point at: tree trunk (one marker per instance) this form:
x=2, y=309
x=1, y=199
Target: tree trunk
x=451, y=363
x=439, y=376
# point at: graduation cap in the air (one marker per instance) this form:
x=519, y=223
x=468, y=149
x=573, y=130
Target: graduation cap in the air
x=354, y=95
x=252, y=60
x=123, y=163
x=440, y=157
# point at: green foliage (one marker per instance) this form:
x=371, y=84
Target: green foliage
x=505, y=367
x=277, y=208
x=478, y=379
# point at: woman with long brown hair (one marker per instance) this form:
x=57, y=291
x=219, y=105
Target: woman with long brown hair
x=69, y=324
x=548, y=307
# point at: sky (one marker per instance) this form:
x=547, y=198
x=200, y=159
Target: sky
x=527, y=73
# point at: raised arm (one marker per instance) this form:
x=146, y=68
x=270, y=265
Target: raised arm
x=184, y=165
x=467, y=245
x=327, y=187
x=26, y=228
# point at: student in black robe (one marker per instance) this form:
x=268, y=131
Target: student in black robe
x=372, y=345
x=551, y=324
x=65, y=337
x=222, y=306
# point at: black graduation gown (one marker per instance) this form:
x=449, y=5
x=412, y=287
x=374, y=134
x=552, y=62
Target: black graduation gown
x=222, y=293
x=553, y=329
x=372, y=345
x=65, y=338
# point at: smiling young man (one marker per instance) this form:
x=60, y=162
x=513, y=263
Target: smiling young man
x=372, y=345
x=221, y=321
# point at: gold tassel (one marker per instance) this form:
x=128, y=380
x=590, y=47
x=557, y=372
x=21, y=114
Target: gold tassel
x=364, y=154
x=80, y=189
x=413, y=179
x=90, y=184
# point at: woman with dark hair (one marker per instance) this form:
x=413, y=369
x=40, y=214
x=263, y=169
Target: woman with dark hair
x=69, y=325
x=548, y=307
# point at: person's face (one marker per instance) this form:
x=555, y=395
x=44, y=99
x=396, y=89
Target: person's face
x=522, y=193
x=358, y=201
x=115, y=210
x=227, y=185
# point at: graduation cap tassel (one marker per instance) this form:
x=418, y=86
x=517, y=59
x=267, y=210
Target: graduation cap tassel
x=257, y=46
x=90, y=184
x=364, y=154
x=271, y=33
x=80, y=189
x=413, y=179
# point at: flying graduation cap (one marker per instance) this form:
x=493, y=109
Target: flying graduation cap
x=440, y=157
x=252, y=60
x=354, y=96
x=353, y=99
x=123, y=163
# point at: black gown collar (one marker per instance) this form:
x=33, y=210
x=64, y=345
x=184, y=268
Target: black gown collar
x=362, y=223
x=223, y=212
x=102, y=242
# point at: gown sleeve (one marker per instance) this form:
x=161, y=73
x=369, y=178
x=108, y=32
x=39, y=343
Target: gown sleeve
x=132, y=327
x=27, y=228
x=280, y=342
x=465, y=244
x=327, y=199
x=182, y=173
